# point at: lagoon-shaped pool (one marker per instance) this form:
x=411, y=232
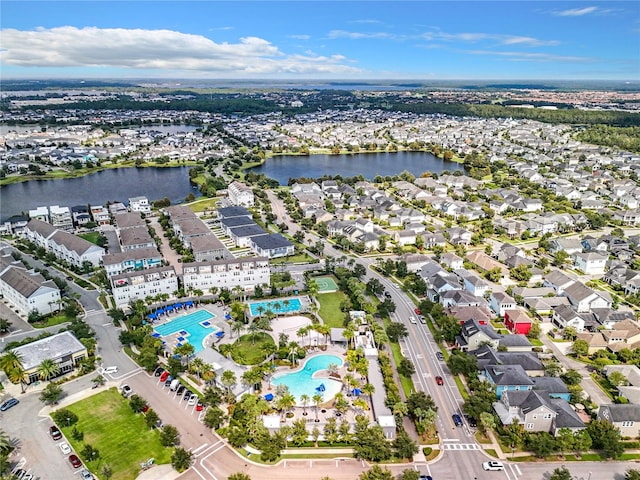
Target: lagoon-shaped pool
x=302, y=381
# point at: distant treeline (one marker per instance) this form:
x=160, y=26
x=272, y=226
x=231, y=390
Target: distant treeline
x=572, y=116
x=626, y=138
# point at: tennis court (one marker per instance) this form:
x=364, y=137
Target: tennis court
x=326, y=284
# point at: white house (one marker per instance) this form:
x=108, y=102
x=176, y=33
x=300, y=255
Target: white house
x=139, y=204
x=146, y=283
x=244, y=272
x=273, y=245
x=240, y=194
x=590, y=263
x=500, y=302
x=28, y=291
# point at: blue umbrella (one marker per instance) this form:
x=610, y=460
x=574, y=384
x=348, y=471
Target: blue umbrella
x=356, y=391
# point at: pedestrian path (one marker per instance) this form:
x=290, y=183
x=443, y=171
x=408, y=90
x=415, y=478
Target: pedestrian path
x=461, y=446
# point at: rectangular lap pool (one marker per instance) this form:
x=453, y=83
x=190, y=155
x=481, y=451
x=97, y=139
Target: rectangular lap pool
x=289, y=305
x=193, y=328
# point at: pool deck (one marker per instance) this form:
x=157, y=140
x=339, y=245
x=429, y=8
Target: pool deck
x=305, y=302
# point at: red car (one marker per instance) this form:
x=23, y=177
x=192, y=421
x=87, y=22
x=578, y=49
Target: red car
x=439, y=380
x=145, y=409
x=75, y=461
x=163, y=377
x=199, y=407
x=418, y=312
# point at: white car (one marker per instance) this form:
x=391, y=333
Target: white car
x=493, y=466
x=110, y=369
x=193, y=399
x=65, y=448
x=412, y=319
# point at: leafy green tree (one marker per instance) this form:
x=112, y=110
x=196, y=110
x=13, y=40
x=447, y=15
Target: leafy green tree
x=137, y=403
x=481, y=399
x=239, y=476
x=404, y=445
x=632, y=474
x=64, y=417
x=409, y=474
x=214, y=418
x=396, y=331
x=617, y=378
x=51, y=394
x=90, y=453
x=487, y=421
x=605, y=436
x=561, y=473
x=462, y=363
x=406, y=367
x=580, y=348
x=565, y=440
x=581, y=442
x=376, y=473
x=181, y=459
x=106, y=471
x=534, y=331
x=371, y=444
x=542, y=444
x=571, y=377
x=169, y=436
x=151, y=418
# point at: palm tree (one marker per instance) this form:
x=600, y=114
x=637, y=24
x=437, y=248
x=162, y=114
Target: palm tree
x=304, y=399
x=237, y=327
x=302, y=331
x=4, y=325
x=226, y=349
x=332, y=369
x=18, y=375
x=368, y=390
x=5, y=442
x=228, y=380
x=198, y=293
x=348, y=380
x=324, y=330
x=47, y=369
x=254, y=329
x=208, y=375
x=185, y=351
x=349, y=334
x=285, y=403
x=285, y=304
x=317, y=400
x=197, y=365
x=10, y=360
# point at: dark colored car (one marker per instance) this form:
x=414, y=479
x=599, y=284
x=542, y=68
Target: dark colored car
x=439, y=380
x=425, y=477
x=75, y=461
x=159, y=371
x=457, y=419
x=55, y=432
x=180, y=390
x=168, y=381
x=471, y=421
x=440, y=356
x=12, y=402
x=187, y=395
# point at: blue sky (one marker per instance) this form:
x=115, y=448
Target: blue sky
x=422, y=40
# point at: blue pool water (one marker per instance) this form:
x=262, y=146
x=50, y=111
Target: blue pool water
x=189, y=323
x=302, y=381
x=293, y=306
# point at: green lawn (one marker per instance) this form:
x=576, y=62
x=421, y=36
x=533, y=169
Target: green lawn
x=248, y=348
x=121, y=437
x=91, y=237
x=330, y=308
x=52, y=321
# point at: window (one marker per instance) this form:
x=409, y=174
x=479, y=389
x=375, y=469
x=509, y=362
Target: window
x=627, y=424
x=547, y=416
x=529, y=426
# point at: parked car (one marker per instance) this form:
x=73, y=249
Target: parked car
x=418, y=312
x=187, y=395
x=146, y=408
x=55, y=432
x=471, y=421
x=164, y=376
x=199, y=407
x=159, y=371
x=439, y=380
x=126, y=390
x=112, y=369
x=457, y=420
x=180, y=390
x=412, y=319
x=387, y=294
x=75, y=461
x=193, y=399
x=167, y=382
x=422, y=319
x=65, y=448
x=493, y=466
x=86, y=475
x=425, y=477
x=12, y=402
x=440, y=356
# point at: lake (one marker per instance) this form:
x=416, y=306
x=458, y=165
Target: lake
x=281, y=168
x=117, y=184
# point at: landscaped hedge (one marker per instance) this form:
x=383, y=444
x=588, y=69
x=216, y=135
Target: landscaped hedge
x=393, y=394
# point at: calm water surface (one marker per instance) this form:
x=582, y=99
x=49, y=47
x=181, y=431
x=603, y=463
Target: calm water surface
x=281, y=168
x=98, y=188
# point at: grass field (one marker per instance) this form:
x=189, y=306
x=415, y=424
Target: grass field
x=330, y=308
x=91, y=237
x=248, y=348
x=121, y=436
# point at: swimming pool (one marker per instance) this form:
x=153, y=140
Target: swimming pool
x=276, y=306
x=191, y=327
x=302, y=381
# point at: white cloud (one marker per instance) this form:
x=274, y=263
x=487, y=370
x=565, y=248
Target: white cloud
x=333, y=34
x=533, y=57
x=576, y=12
x=366, y=21
x=300, y=37
x=155, y=49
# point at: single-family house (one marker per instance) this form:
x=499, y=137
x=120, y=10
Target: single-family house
x=507, y=377
x=625, y=417
x=517, y=321
x=501, y=302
